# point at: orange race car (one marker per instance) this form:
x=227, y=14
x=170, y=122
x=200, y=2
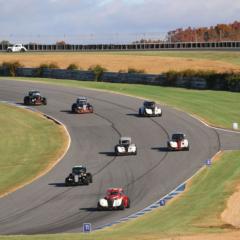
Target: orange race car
x=82, y=106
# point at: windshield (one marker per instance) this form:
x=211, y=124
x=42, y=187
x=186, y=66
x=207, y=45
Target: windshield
x=78, y=170
x=149, y=104
x=113, y=193
x=125, y=142
x=81, y=102
x=36, y=93
x=177, y=137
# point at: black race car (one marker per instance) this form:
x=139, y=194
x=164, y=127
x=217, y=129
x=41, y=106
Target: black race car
x=78, y=176
x=34, y=98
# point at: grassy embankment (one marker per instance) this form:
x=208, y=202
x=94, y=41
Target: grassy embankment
x=29, y=145
x=198, y=209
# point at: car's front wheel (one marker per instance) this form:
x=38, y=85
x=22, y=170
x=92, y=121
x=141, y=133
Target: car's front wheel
x=122, y=207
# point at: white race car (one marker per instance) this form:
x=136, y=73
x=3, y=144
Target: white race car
x=17, y=48
x=178, y=142
x=150, y=109
x=125, y=147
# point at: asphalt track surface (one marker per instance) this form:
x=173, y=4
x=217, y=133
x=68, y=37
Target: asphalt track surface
x=47, y=206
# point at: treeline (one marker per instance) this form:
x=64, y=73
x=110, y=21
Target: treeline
x=218, y=33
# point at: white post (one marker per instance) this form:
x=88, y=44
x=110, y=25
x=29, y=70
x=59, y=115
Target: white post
x=235, y=126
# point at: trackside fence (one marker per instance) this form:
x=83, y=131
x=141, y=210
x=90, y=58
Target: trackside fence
x=221, y=45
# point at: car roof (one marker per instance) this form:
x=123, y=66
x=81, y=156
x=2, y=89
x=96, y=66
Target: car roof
x=148, y=101
x=34, y=90
x=125, y=139
x=114, y=190
x=178, y=133
x=79, y=166
x=81, y=98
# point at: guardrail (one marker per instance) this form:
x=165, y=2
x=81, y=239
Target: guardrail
x=191, y=82
x=113, y=77
x=223, y=45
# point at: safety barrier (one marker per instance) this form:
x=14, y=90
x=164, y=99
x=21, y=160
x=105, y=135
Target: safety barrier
x=223, y=45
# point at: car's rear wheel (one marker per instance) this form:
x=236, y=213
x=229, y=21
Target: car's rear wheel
x=44, y=101
x=89, y=177
x=116, y=151
x=128, y=203
x=67, y=183
x=99, y=207
x=26, y=101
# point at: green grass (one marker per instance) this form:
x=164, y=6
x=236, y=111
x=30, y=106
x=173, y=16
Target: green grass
x=28, y=144
x=195, y=211
x=218, y=108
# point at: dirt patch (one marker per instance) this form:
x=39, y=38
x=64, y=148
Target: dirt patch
x=151, y=64
x=235, y=235
x=231, y=215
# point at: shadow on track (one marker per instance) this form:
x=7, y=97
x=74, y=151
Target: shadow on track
x=161, y=149
x=90, y=209
x=134, y=115
x=109, y=154
x=67, y=111
x=57, y=184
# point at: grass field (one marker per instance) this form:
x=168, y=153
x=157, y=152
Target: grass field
x=29, y=145
x=223, y=56
x=152, y=62
x=211, y=106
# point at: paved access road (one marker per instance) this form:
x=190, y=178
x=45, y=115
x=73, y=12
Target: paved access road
x=47, y=206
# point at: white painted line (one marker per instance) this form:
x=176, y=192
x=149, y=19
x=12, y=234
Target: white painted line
x=216, y=128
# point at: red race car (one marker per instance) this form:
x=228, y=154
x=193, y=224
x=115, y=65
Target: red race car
x=114, y=199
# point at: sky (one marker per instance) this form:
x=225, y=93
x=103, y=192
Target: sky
x=107, y=21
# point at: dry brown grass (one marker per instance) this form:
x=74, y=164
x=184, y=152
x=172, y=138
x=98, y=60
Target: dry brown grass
x=232, y=235
x=151, y=64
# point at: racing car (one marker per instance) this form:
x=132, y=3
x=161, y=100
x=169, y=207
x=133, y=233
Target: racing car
x=150, y=109
x=125, y=147
x=78, y=176
x=178, y=142
x=34, y=98
x=114, y=199
x=82, y=106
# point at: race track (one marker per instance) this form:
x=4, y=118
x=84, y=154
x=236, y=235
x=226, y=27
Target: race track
x=47, y=206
